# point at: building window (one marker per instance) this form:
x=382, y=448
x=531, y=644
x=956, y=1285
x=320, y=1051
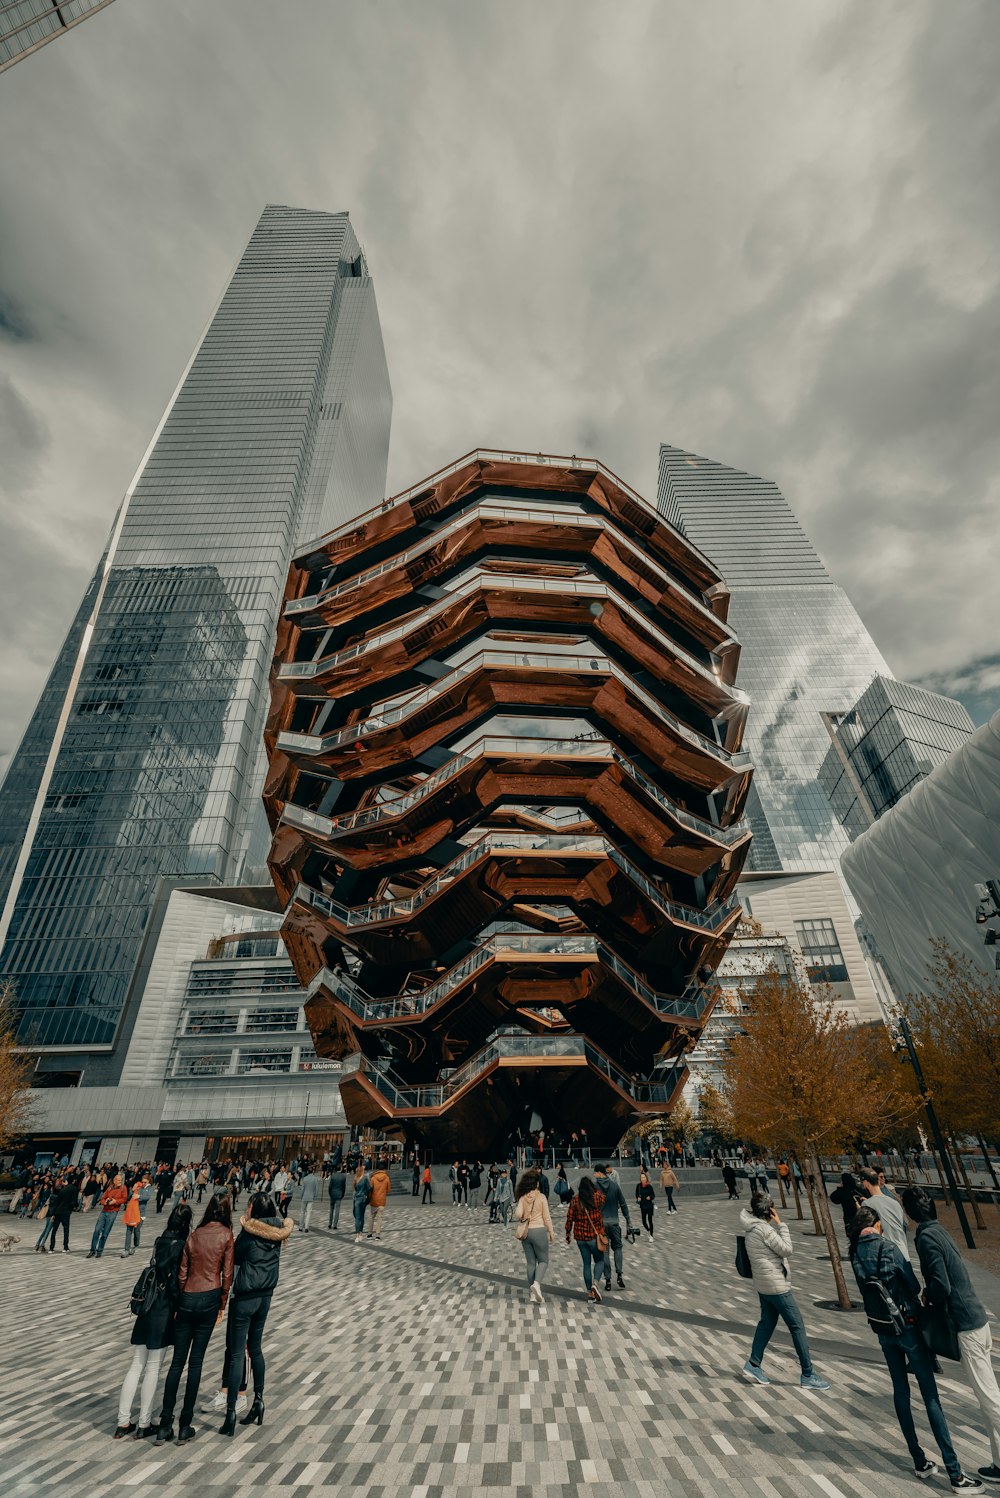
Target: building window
x=264, y=1020
x=203, y=1066
x=821, y=950
x=256, y=1062
x=203, y=1022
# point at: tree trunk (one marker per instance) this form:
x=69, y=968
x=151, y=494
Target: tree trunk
x=843, y=1298
x=812, y=1203
x=989, y=1166
x=941, y=1176
x=980, y=1223
x=781, y=1185
x=798, y=1197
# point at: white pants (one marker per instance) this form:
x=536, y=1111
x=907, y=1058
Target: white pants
x=146, y=1363
x=975, y=1347
x=307, y=1212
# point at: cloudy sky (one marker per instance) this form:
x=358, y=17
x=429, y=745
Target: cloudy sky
x=762, y=230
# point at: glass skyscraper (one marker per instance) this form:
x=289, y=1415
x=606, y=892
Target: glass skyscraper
x=805, y=651
x=145, y=757
x=893, y=737
x=29, y=24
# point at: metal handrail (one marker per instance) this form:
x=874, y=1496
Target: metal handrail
x=374, y=1010
x=493, y=455
x=381, y=911
x=397, y=709
x=590, y=748
x=501, y=510
x=435, y=1095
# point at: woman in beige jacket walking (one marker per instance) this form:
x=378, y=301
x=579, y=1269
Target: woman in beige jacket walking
x=534, y=1228
x=669, y=1184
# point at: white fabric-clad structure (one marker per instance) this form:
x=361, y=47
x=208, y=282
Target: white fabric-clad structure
x=913, y=872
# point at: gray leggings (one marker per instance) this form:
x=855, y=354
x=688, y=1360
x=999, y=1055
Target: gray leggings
x=536, y=1255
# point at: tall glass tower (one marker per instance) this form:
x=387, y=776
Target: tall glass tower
x=144, y=757
x=806, y=655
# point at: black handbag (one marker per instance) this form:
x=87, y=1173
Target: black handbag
x=939, y=1334
x=743, y=1266
x=144, y=1292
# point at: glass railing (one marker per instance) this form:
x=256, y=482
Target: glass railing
x=397, y=709
x=318, y=744
x=381, y=911
x=476, y=578
x=404, y=1098
x=373, y=1010
x=591, y=748
x=587, y=465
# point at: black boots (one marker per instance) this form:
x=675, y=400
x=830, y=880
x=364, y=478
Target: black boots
x=228, y=1426
x=255, y=1414
x=164, y=1433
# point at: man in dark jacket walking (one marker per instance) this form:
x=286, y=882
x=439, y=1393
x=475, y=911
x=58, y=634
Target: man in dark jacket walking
x=614, y=1202
x=949, y=1290
x=61, y=1209
x=905, y=1351
x=336, y=1189
x=729, y=1180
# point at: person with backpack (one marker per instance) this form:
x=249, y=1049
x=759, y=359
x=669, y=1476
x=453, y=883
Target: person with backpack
x=768, y=1248
x=950, y=1294
x=153, y=1301
x=891, y=1297
x=475, y=1182
x=613, y=1203
x=203, y=1281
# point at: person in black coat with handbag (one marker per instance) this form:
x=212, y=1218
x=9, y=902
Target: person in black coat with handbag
x=257, y=1259
x=153, y=1331
x=950, y=1295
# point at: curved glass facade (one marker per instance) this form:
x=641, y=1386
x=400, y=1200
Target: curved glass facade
x=280, y=428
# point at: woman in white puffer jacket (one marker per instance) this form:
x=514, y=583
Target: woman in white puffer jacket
x=769, y=1246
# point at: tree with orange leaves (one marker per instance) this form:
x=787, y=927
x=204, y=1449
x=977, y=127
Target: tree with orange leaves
x=15, y=1071
x=800, y=1079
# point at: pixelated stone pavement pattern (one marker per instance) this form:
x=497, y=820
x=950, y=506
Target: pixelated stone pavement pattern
x=416, y=1367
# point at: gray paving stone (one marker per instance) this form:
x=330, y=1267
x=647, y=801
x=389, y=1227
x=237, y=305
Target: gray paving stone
x=416, y=1367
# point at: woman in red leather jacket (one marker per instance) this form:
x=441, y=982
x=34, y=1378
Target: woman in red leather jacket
x=203, y=1282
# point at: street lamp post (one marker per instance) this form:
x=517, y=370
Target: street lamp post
x=903, y=1026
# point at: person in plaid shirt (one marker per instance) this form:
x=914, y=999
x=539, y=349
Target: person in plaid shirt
x=585, y=1220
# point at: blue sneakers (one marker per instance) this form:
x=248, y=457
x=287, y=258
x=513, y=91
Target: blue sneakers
x=813, y=1381
x=757, y=1374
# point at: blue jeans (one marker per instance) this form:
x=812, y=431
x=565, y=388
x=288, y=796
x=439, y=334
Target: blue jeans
x=897, y=1351
x=102, y=1227
x=771, y=1307
x=592, y=1257
x=360, y=1208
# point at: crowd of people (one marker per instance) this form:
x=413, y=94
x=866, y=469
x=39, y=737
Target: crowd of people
x=200, y=1275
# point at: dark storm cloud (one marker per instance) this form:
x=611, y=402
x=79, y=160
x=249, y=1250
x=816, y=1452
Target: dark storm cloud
x=761, y=230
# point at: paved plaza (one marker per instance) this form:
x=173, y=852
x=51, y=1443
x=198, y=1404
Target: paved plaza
x=416, y=1367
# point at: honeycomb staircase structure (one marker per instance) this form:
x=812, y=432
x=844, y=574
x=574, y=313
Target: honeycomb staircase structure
x=506, y=793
